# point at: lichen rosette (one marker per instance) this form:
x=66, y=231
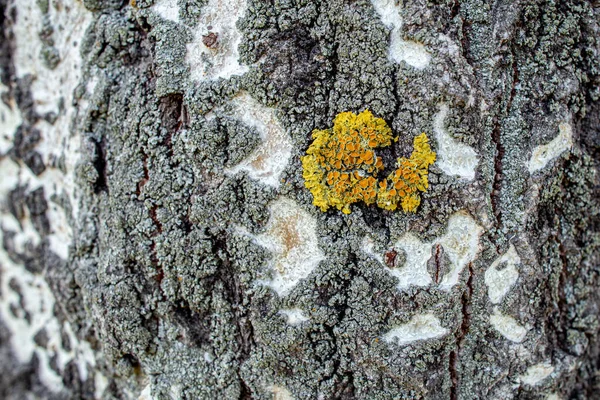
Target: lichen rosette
x=341, y=166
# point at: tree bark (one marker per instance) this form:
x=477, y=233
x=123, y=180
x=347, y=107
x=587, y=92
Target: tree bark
x=158, y=241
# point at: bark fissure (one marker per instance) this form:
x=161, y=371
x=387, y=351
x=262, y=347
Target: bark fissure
x=140, y=185
x=460, y=335
x=234, y=293
x=101, y=183
x=437, y=263
x=498, y=172
x=168, y=275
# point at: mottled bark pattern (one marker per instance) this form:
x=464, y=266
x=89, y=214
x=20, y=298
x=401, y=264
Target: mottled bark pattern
x=158, y=241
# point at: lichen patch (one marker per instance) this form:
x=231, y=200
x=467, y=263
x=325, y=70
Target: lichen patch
x=342, y=164
x=420, y=327
x=214, y=52
x=269, y=160
x=543, y=154
x=454, y=158
x=500, y=281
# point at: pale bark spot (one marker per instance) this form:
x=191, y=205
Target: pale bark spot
x=38, y=302
x=500, y=281
x=420, y=327
x=508, y=327
x=411, y=52
x=269, y=160
x=454, y=158
x=461, y=244
x=146, y=393
x=10, y=119
x=414, y=271
x=543, y=154
x=291, y=238
x=368, y=248
x=280, y=393
x=536, y=374
x=295, y=316
x=221, y=59
x=167, y=9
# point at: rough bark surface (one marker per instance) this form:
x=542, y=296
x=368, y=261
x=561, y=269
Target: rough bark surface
x=158, y=240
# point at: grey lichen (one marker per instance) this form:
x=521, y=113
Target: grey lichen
x=188, y=272
x=166, y=276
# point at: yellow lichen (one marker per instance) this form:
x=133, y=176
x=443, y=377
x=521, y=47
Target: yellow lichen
x=402, y=185
x=341, y=166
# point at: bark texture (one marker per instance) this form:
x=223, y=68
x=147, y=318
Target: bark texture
x=158, y=241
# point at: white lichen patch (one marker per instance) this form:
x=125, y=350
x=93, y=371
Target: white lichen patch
x=461, y=245
x=508, y=327
x=214, y=52
x=295, y=316
x=453, y=157
x=291, y=238
x=269, y=160
x=543, y=154
x=420, y=327
x=167, y=9
x=412, y=53
x=536, y=374
x=414, y=272
x=502, y=275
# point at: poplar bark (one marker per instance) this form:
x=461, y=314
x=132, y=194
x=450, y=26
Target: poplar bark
x=158, y=242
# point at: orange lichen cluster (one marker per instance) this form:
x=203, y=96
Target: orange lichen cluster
x=402, y=185
x=341, y=166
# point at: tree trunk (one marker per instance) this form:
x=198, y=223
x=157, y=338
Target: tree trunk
x=158, y=240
